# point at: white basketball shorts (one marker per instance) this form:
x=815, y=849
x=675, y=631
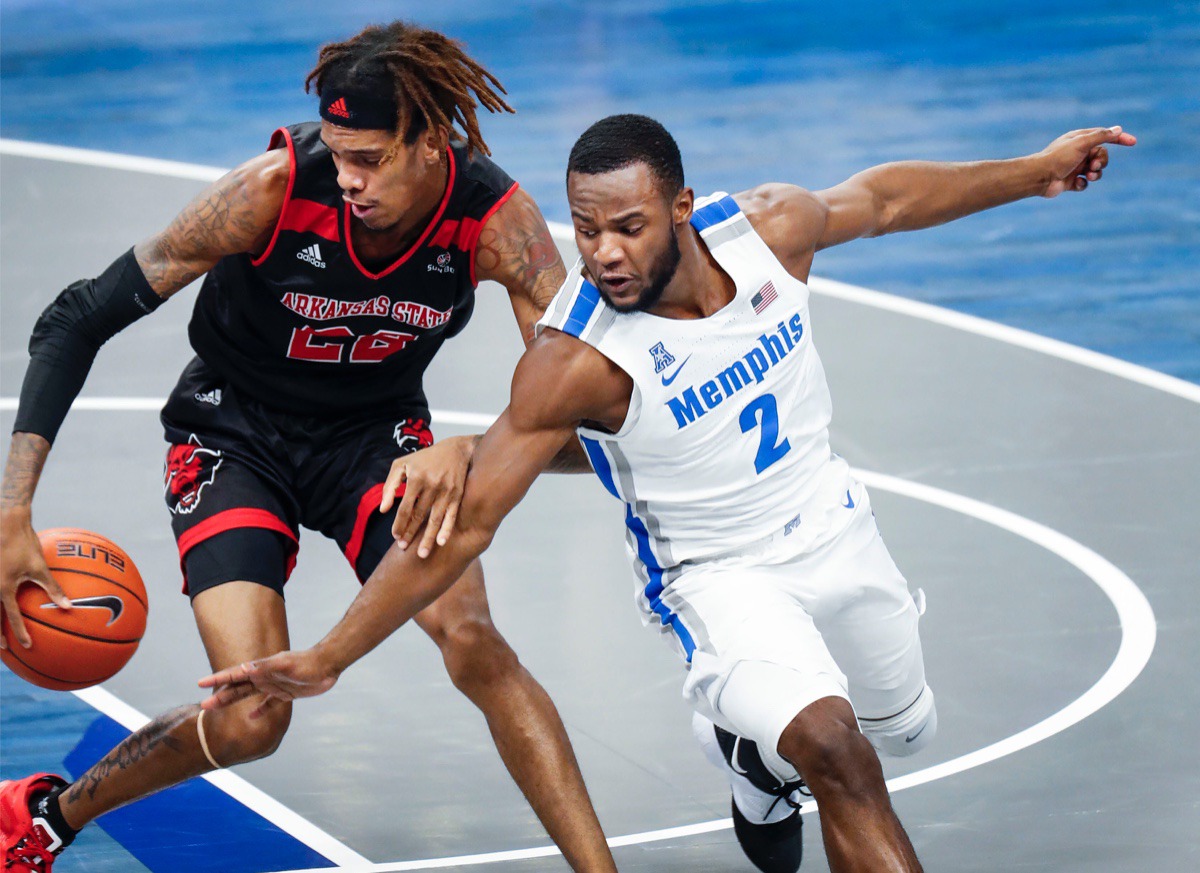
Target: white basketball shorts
x=775, y=630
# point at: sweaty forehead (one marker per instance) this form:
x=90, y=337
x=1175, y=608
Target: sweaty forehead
x=632, y=187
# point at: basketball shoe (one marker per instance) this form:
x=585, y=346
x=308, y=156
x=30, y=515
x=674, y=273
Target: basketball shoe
x=766, y=810
x=30, y=844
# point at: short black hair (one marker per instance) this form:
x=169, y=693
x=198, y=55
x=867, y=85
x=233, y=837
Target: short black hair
x=621, y=140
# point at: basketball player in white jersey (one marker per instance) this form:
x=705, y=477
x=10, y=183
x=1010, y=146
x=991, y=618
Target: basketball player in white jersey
x=680, y=350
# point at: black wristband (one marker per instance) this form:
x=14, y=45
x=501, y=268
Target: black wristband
x=67, y=336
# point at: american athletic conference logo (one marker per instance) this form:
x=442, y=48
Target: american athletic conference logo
x=662, y=358
x=442, y=265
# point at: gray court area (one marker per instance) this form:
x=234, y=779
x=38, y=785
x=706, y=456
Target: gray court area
x=398, y=766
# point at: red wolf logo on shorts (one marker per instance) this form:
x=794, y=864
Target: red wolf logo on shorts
x=412, y=434
x=188, y=469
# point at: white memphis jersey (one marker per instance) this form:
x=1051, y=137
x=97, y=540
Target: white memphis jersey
x=726, y=441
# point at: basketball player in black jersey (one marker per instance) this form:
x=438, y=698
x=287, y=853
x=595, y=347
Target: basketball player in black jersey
x=337, y=264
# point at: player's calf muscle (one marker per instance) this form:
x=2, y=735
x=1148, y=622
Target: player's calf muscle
x=137, y=766
x=167, y=751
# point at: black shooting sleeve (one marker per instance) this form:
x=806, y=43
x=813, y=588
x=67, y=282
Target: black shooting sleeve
x=67, y=336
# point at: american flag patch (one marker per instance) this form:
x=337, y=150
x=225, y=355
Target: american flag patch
x=764, y=298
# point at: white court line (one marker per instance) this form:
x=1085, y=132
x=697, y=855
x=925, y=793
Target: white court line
x=1136, y=618
x=1138, y=635
x=828, y=287
x=109, y=160
x=1133, y=610
x=236, y=787
x=154, y=404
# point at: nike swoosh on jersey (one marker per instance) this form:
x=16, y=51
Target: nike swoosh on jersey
x=849, y=504
x=111, y=602
x=667, y=381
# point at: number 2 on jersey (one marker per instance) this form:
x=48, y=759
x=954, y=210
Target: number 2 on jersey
x=763, y=411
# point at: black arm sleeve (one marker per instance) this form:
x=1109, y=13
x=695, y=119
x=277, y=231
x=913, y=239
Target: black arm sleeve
x=67, y=336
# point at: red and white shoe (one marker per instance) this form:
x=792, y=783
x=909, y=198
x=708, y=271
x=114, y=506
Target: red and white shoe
x=30, y=844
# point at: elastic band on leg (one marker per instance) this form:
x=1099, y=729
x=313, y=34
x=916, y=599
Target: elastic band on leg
x=204, y=742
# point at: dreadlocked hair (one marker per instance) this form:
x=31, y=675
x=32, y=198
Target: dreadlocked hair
x=431, y=76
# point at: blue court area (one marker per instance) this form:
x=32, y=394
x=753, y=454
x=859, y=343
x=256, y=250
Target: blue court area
x=802, y=92
x=48, y=731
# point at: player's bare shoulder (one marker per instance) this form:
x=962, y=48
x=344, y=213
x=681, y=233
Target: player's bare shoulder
x=235, y=214
x=254, y=194
x=789, y=219
x=563, y=381
x=516, y=249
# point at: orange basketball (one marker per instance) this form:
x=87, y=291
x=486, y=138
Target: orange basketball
x=91, y=642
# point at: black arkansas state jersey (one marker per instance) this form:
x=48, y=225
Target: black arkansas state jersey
x=308, y=328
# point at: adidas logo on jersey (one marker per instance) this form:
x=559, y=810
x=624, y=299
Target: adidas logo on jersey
x=312, y=254
x=213, y=397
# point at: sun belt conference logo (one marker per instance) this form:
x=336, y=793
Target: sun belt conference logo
x=442, y=265
x=662, y=358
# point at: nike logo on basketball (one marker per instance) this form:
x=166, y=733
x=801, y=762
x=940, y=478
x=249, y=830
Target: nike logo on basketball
x=674, y=375
x=849, y=504
x=115, y=605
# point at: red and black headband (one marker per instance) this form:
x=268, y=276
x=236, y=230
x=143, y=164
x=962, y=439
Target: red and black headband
x=361, y=110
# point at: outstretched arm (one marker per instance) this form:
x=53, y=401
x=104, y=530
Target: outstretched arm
x=234, y=214
x=911, y=195
x=558, y=383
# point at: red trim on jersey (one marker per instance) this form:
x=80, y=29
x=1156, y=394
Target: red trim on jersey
x=232, y=519
x=309, y=216
x=474, y=242
x=367, y=504
x=459, y=234
x=287, y=197
x=415, y=246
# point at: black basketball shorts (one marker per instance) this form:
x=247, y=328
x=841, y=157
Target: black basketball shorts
x=241, y=478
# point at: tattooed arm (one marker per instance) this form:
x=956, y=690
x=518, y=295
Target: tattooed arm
x=515, y=249
x=237, y=213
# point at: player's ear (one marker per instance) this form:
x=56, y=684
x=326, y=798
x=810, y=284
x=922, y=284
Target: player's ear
x=434, y=142
x=681, y=209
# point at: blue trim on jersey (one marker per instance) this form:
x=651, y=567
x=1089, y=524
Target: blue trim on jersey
x=715, y=213
x=581, y=312
x=600, y=465
x=654, y=589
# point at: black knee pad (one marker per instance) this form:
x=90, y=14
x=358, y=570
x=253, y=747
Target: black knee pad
x=248, y=554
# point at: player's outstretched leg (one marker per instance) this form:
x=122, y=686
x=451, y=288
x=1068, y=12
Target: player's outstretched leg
x=524, y=723
x=858, y=825
x=238, y=621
